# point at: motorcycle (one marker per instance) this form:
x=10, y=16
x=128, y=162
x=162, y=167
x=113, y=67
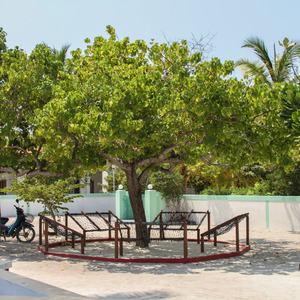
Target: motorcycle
x=21, y=228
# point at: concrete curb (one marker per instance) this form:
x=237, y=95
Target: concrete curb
x=13, y=286
x=5, y=265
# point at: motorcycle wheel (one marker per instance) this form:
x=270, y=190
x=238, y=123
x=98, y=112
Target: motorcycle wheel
x=25, y=234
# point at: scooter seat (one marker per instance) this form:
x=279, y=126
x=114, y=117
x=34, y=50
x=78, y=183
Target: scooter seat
x=4, y=220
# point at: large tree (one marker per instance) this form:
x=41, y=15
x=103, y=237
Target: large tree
x=139, y=107
x=26, y=84
x=279, y=68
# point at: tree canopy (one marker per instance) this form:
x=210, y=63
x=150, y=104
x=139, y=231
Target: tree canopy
x=129, y=102
x=26, y=83
x=138, y=106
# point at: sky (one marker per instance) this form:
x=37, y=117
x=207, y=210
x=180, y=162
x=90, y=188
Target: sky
x=228, y=22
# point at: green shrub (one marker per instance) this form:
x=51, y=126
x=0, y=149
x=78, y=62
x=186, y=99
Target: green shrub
x=171, y=187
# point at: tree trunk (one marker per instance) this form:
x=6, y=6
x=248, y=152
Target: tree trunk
x=135, y=195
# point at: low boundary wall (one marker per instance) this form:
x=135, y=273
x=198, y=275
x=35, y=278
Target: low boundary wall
x=88, y=203
x=274, y=212
x=271, y=212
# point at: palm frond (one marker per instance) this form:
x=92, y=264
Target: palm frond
x=286, y=63
x=62, y=53
x=295, y=50
x=261, y=51
x=253, y=69
x=283, y=68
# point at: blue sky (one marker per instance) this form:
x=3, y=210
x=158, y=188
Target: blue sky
x=56, y=22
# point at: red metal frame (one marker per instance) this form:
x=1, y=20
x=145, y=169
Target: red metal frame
x=118, y=242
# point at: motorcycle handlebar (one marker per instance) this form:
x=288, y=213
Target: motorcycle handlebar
x=19, y=208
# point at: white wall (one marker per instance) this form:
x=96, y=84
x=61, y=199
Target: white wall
x=8, y=177
x=88, y=203
x=281, y=213
x=274, y=212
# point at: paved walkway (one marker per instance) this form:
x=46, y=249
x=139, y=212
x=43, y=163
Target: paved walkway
x=13, y=286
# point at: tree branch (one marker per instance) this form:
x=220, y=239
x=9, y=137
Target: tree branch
x=156, y=159
x=171, y=160
x=261, y=114
x=116, y=161
x=208, y=162
x=34, y=173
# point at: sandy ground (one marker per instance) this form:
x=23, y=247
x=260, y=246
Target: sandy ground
x=270, y=270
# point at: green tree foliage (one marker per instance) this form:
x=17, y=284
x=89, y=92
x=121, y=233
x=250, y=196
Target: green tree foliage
x=276, y=181
x=279, y=68
x=280, y=182
x=211, y=179
x=171, y=186
x=2, y=42
x=250, y=175
x=195, y=177
x=120, y=179
x=200, y=176
x=290, y=112
x=50, y=192
x=26, y=84
x=137, y=106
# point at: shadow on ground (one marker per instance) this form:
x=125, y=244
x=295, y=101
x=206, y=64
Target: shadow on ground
x=265, y=257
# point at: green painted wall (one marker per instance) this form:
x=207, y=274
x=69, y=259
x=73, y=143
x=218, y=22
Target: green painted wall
x=153, y=204
x=243, y=198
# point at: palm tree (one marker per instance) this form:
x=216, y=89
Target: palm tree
x=62, y=53
x=280, y=68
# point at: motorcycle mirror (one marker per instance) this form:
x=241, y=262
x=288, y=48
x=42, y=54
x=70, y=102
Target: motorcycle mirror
x=17, y=200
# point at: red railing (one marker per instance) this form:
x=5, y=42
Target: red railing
x=58, y=229
x=225, y=227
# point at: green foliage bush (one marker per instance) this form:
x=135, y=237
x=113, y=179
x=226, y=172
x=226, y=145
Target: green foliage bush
x=53, y=193
x=171, y=187
x=120, y=178
x=279, y=182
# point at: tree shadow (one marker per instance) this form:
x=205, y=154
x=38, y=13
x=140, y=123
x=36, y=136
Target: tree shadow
x=266, y=257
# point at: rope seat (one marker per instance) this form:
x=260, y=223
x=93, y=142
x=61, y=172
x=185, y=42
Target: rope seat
x=224, y=227
x=91, y=222
x=157, y=231
x=61, y=230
